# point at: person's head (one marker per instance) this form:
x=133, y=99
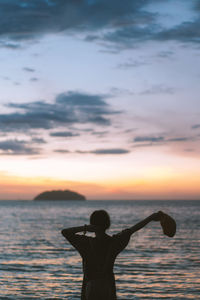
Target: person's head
x=100, y=218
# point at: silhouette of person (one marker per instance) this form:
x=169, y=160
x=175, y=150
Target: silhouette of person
x=99, y=253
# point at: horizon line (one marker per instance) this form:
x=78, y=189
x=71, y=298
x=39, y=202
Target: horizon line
x=178, y=199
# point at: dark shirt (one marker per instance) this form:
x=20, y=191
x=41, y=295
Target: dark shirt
x=98, y=256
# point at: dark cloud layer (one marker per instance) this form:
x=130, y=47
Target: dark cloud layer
x=117, y=22
x=196, y=126
x=185, y=32
x=23, y=20
x=178, y=139
x=148, y=141
x=17, y=147
x=68, y=109
x=108, y=151
x=34, y=79
x=9, y=45
x=27, y=69
x=64, y=134
x=38, y=141
x=62, y=151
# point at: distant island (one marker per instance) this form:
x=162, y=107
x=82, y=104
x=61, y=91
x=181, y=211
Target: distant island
x=59, y=195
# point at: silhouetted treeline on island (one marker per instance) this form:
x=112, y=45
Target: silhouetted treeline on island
x=59, y=195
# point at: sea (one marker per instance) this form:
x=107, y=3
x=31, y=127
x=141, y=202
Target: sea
x=36, y=262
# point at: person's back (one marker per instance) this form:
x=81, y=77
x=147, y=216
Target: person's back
x=97, y=255
x=98, y=269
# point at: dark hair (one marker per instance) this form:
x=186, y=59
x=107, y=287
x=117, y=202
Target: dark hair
x=100, y=218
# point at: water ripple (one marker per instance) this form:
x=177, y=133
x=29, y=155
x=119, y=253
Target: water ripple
x=37, y=263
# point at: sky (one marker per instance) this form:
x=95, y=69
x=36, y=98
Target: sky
x=100, y=97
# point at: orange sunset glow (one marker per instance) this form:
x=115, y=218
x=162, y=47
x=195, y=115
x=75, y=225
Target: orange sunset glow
x=118, y=180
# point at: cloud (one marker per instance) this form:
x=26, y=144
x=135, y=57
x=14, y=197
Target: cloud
x=189, y=150
x=158, y=89
x=64, y=134
x=80, y=99
x=10, y=45
x=165, y=54
x=109, y=151
x=100, y=133
x=120, y=23
x=196, y=126
x=27, y=69
x=179, y=139
x=38, y=141
x=17, y=147
x=128, y=36
x=151, y=139
x=131, y=64
x=67, y=109
x=6, y=78
x=186, y=32
x=84, y=129
x=34, y=18
x=145, y=145
x=62, y=151
x=120, y=91
x=34, y=79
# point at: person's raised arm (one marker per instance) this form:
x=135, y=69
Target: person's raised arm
x=73, y=230
x=141, y=224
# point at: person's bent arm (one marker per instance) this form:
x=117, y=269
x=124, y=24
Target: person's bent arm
x=73, y=230
x=140, y=225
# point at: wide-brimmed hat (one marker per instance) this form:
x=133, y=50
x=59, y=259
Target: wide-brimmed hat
x=168, y=225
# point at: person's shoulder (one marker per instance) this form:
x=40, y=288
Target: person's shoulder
x=122, y=233
x=121, y=239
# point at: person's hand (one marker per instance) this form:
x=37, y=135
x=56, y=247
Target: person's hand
x=157, y=216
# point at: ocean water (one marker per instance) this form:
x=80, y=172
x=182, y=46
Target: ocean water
x=36, y=262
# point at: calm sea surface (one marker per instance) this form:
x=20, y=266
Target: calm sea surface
x=36, y=262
